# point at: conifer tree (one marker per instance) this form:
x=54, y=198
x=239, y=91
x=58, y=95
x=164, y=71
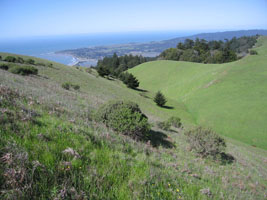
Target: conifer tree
x=159, y=99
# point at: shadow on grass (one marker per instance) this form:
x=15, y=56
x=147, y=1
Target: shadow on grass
x=168, y=107
x=140, y=90
x=226, y=158
x=157, y=139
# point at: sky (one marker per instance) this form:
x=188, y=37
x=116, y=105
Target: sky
x=26, y=18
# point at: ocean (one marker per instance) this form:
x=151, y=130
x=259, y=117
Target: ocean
x=45, y=46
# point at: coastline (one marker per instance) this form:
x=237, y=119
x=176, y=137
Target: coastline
x=78, y=61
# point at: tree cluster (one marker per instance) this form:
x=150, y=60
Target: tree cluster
x=115, y=65
x=129, y=80
x=203, y=51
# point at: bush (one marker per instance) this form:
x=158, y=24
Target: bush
x=159, y=99
x=0, y=57
x=89, y=70
x=253, y=52
x=10, y=59
x=75, y=87
x=30, y=61
x=23, y=70
x=66, y=85
x=166, y=125
x=205, y=142
x=50, y=65
x=40, y=64
x=20, y=60
x=4, y=66
x=124, y=117
x=175, y=121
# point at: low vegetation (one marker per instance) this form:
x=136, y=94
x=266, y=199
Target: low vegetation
x=125, y=118
x=206, y=142
x=23, y=70
x=165, y=125
x=68, y=86
x=29, y=61
x=172, y=121
x=253, y=52
x=10, y=59
x=4, y=66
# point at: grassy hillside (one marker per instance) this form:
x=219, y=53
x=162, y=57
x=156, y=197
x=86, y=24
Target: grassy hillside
x=40, y=121
x=230, y=98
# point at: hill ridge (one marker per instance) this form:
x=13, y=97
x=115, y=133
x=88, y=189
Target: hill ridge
x=199, y=85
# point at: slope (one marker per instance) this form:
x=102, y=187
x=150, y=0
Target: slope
x=94, y=90
x=58, y=151
x=230, y=98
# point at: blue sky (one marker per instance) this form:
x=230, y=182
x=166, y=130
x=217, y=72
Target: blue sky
x=57, y=17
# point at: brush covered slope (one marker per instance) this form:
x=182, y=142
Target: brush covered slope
x=51, y=148
x=231, y=98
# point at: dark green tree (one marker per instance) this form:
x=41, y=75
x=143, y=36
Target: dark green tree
x=102, y=71
x=180, y=46
x=131, y=81
x=159, y=99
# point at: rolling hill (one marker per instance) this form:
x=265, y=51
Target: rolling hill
x=230, y=98
x=50, y=142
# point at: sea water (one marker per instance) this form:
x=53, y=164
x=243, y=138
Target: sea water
x=45, y=46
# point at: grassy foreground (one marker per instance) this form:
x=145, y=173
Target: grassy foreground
x=230, y=98
x=51, y=149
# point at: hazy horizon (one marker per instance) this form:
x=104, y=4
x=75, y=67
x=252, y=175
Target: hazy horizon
x=29, y=18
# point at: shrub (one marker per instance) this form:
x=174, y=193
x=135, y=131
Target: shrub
x=166, y=125
x=75, y=87
x=205, y=142
x=124, y=117
x=4, y=66
x=175, y=121
x=253, y=52
x=20, y=60
x=89, y=70
x=23, y=70
x=30, y=61
x=159, y=99
x=66, y=85
x=50, y=65
x=10, y=59
x=40, y=64
x=0, y=57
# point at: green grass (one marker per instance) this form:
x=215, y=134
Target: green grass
x=112, y=166
x=230, y=98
